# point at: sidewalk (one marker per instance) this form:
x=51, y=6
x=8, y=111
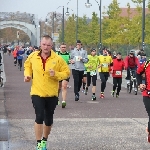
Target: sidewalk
x=3, y=116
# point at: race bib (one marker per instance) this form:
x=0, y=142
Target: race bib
x=105, y=65
x=92, y=73
x=77, y=58
x=118, y=73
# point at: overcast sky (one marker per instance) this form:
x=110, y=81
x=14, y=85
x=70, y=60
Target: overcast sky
x=42, y=7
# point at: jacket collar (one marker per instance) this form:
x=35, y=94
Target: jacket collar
x=52, y=54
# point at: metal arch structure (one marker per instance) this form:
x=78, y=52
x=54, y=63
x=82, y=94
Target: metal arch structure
x=29, y=29
x=28, y=32
x=25, y=22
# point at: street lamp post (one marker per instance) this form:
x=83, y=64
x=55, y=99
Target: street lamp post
x=88, y=5
x=63, y=26
x=40, y=24
x=77, y=23
x=143, y=25
x=53, y=17
x=63, y=22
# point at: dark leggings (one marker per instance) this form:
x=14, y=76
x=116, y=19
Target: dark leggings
x=146, y=101
x=117, y=84
x=20, y=63
x=77, y=76
x=104, y=77
x=15, y=60
x=94, y=78
x=44, y=109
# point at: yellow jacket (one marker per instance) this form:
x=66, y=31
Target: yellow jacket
x=43, y=84
x=104, y=62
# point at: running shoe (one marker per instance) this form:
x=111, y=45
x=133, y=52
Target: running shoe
x=113, y=93
x=39, y=146
x=76, y=97
x=93, y=97
x=63, y=104
x=85, y=91
x=117, y=96
x=43, y=144
x=102, y=95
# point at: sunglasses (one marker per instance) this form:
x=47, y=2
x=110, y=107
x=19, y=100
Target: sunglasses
x=63, y=47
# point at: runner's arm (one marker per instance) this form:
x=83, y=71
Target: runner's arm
x=85, y=58
x=139, y=73
x=64, y=71
x=28, y=67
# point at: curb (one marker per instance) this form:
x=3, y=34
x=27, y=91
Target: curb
x=4, y=125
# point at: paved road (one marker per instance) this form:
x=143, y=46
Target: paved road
x=105, y=124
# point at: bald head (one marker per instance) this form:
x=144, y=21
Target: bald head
x=46, y=44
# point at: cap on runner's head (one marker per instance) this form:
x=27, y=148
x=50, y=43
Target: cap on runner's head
x=132, y=52
x=78, y=41
x=93, y=49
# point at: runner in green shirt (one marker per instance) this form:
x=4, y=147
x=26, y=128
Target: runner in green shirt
x=91, y=66
x=63, y=84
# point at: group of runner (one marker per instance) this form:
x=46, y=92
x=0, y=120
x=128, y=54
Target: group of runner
x=86, y=67
x=54, y=68
x=19, y=52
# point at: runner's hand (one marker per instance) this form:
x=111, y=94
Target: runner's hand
x=99, y=66
x=111, y=71
x=72, y=61
x=52, y=72
x=80, y=57
x=27, y=79
x=142, y=87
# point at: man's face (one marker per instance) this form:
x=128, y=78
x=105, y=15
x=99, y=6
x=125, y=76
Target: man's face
x=93, y=53
x=118, y=56
x=131, y=55
x=31, y=48
x=46, y=45
x=105, y=51
x=20, y=48
x=79, y=45
x=63, y=48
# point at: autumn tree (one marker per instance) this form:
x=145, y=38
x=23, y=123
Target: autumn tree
x=70, y=30
x=83, y=31
x=112, y=25
x=93, y=31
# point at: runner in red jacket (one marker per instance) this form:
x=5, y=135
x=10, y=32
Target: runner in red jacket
x=116, y=70
x=145, y=68
x=131, y=63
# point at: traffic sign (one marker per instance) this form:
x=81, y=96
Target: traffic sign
x=18, y=34
x=55, y=37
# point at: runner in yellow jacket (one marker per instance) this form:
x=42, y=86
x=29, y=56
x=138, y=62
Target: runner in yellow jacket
x=45, y=68
x=105, y=62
